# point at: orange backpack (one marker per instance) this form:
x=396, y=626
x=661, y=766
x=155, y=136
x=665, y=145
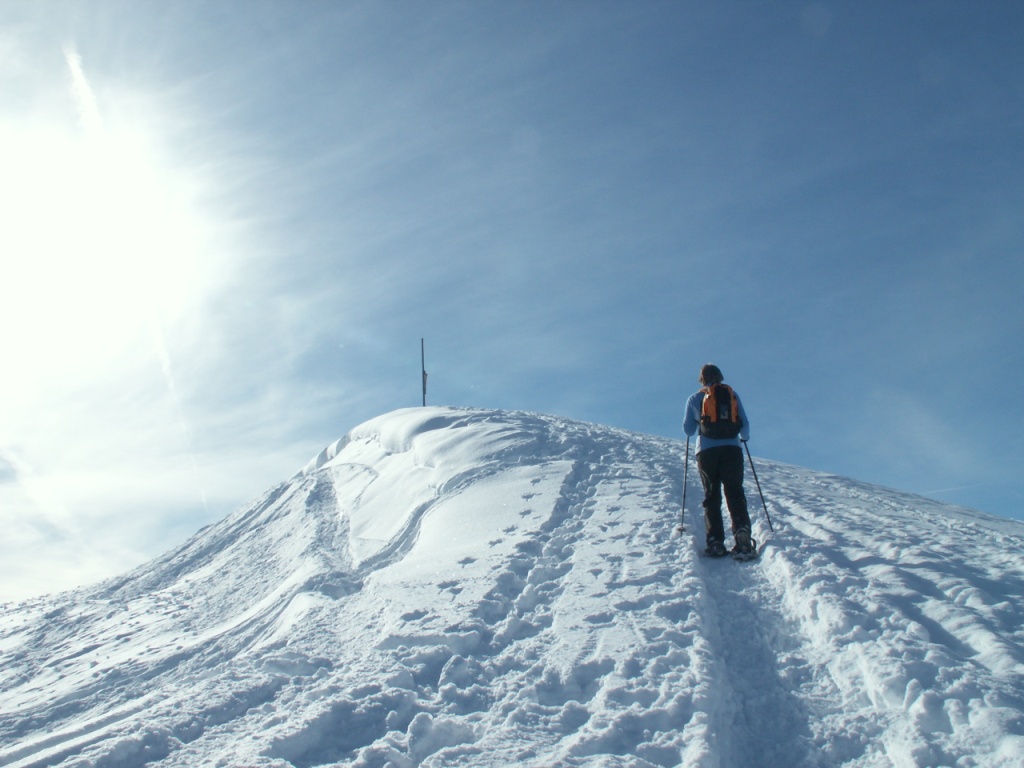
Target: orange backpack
x=720, y=414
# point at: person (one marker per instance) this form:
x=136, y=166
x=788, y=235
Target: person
x=720, y=462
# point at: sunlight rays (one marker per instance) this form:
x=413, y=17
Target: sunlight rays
x=104, y=251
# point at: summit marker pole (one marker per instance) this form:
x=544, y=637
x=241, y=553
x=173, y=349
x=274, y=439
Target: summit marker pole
x=423, y=370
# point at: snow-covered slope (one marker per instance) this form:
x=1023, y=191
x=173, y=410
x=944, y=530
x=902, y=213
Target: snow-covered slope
x=475, y=588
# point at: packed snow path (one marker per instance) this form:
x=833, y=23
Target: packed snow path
x=475, y=588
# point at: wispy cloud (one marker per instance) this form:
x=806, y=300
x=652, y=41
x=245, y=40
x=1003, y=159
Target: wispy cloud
x=258, y=223
x=88, y=111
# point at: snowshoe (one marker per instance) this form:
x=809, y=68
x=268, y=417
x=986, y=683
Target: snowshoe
x=716, y=549
x=745, y=548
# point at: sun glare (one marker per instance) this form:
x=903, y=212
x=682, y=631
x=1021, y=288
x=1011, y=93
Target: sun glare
x=99, y=242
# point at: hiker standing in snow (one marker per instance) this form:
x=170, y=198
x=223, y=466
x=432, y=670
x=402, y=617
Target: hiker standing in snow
x=717, y=411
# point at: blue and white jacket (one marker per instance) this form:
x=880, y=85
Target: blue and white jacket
x=691, y=423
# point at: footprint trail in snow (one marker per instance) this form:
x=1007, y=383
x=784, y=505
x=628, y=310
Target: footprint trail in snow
x=446, y=587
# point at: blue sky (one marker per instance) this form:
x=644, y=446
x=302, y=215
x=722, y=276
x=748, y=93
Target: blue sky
x=226, y=227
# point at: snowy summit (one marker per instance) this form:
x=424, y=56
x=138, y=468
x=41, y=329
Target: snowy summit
x=449, y=587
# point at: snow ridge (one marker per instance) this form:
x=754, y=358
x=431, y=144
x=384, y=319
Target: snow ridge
x=450, y=587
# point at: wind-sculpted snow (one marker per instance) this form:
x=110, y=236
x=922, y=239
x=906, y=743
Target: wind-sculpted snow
x=447, y=587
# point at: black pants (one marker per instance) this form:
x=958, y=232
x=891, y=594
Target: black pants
x=722, y=467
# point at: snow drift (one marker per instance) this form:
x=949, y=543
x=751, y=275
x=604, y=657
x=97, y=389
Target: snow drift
x=450, y=587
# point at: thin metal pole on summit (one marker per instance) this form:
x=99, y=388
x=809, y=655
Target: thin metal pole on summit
x=767, y=516
x=423, y=369
x=686, y=470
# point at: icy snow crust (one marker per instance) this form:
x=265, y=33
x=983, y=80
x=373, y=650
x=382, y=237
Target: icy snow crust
x=476, y=588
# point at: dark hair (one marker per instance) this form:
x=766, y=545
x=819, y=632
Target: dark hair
x=710, y=374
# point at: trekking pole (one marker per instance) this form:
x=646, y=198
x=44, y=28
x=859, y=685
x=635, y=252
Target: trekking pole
x=686, y=469
x=769, y=517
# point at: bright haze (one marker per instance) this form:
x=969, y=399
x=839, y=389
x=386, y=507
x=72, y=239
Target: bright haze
x=225, y=227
